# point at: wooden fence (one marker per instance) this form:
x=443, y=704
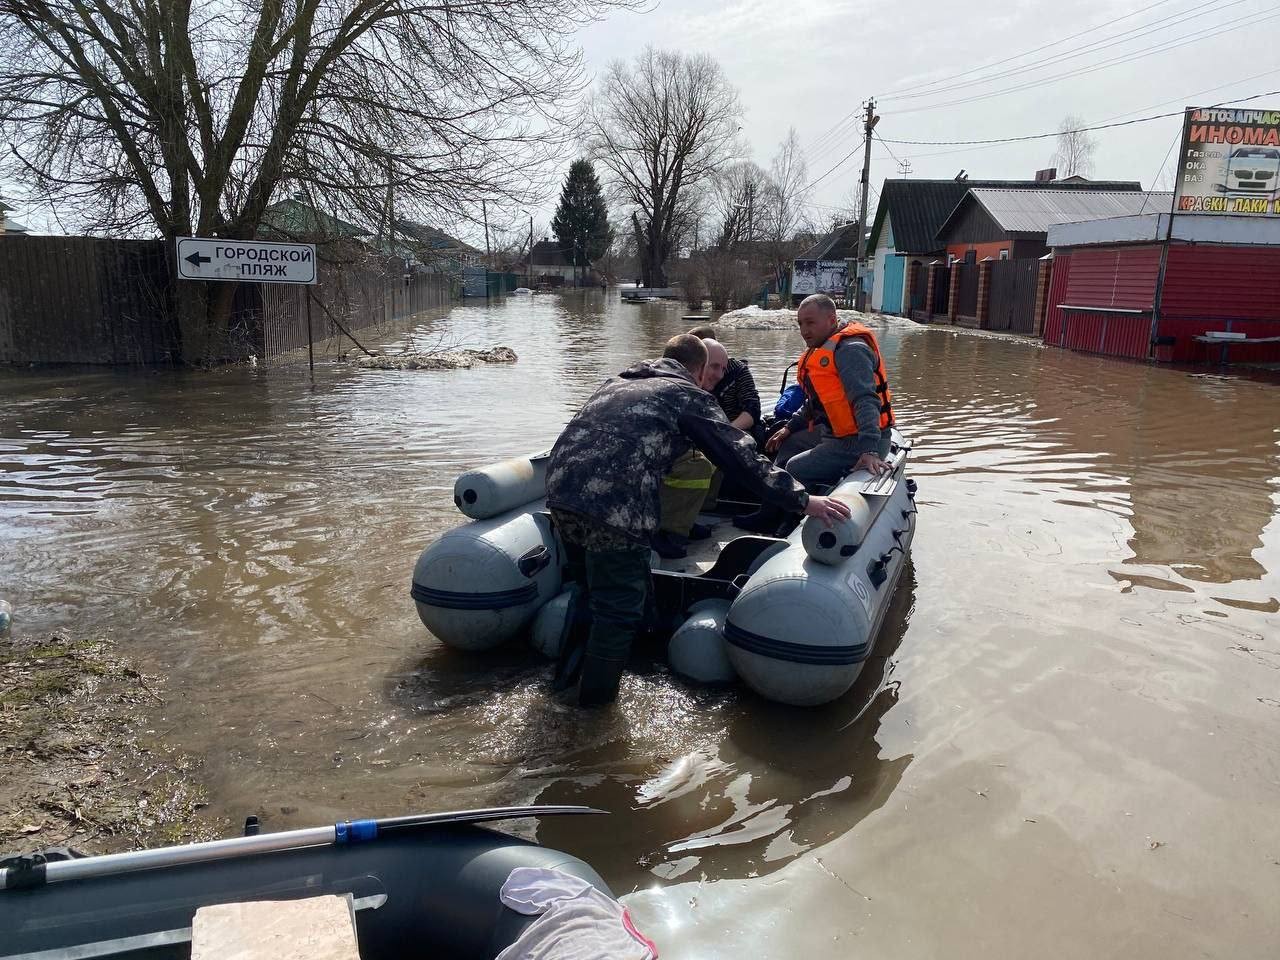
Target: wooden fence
x=85, y=300
x=357, y=296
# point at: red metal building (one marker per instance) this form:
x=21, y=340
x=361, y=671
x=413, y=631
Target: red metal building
x=1221, y=275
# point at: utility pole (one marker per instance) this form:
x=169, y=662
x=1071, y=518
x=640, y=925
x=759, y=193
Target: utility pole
x=529, y=276
x=484, y=212
x=751, y=225
x=868, y=126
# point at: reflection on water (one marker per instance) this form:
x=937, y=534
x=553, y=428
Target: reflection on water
x=251, y=533
x=756, y=785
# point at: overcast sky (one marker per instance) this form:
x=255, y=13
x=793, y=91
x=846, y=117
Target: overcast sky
x=811, y=64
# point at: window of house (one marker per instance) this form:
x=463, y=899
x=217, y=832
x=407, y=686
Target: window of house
x=1004, y=254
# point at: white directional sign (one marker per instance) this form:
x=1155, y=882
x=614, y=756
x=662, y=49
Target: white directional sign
x=201, y=259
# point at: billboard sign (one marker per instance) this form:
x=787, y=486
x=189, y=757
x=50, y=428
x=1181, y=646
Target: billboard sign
x=819, y=276
x=1229, y=162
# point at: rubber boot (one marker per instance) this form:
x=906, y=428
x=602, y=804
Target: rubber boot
x=573, y=640
x=598, y=683
x=606, y=655
x=665, y=545
x=766, y=520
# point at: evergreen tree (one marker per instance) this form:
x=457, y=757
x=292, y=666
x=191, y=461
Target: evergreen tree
x=581, y=222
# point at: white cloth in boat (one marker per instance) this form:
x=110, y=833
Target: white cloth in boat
x=577, y=921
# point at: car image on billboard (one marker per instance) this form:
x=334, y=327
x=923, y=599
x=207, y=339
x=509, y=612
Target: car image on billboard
x=1251, y=172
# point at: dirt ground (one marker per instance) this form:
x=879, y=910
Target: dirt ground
x=78, y=767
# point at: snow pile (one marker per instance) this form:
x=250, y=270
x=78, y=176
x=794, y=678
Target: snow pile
x=755, y=318
x=440, y=360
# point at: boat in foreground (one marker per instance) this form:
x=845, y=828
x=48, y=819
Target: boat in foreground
x=425, y=886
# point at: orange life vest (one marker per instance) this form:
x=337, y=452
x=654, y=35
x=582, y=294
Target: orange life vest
x=821, y=382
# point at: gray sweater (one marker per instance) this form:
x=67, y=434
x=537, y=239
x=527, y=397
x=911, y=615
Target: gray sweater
x=856, y=365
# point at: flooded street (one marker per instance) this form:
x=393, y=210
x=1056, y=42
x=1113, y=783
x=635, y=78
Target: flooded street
x=1069, y=733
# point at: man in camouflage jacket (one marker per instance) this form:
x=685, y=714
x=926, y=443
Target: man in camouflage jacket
x=603, y=486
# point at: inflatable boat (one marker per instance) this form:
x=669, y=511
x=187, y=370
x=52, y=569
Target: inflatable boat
x=425, y=886
x=794, y=617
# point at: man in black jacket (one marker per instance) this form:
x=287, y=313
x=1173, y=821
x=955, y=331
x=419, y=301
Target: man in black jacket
x=730, y=382
x=603, y=485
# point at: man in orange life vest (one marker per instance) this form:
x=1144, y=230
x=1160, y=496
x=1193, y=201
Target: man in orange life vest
x=846, y=421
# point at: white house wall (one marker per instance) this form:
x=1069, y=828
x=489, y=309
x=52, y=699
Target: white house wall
x=884, y=246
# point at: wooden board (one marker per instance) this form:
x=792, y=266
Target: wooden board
x=318, y=928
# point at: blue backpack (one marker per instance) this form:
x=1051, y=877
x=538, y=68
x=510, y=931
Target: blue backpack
x=791, y=400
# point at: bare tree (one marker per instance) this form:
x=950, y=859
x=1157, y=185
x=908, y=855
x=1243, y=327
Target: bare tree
x=740, y=197
x=787, y=224
x=726, y=277
x=660, y=126
x=789, y=180
x=619, y=261
x=135, y=117
x=1074, y=155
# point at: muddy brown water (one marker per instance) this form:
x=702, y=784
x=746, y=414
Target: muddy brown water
x=1073, y=710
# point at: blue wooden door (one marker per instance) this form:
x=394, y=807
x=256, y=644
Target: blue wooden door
x=894, y=268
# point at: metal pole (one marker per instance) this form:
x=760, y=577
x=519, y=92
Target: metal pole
x=1168, y=237
x=335, y=834
x=311, y=357
x=868, y=126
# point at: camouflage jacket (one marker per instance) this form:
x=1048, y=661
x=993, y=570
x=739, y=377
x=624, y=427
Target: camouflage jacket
x=609, y=462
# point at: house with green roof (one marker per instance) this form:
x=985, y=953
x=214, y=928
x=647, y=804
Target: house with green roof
x=433, y=247
x=296, y=219
x=7, y=225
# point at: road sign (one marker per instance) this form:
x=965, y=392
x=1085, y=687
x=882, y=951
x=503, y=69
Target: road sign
x=253, y=260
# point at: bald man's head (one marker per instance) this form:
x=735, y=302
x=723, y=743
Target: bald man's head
x=717, y=364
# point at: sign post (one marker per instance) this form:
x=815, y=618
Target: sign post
x=251, y=261
x=311, y=360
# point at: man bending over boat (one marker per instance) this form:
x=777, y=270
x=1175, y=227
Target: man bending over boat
x=847, y=419
x=603, y=484
x=694, y=483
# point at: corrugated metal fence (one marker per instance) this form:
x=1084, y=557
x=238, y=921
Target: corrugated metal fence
x=1054, y=320
x=966, y=305
x=1013, y=295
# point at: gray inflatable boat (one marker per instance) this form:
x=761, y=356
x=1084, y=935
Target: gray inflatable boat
x=421, y=887
x=793, y=617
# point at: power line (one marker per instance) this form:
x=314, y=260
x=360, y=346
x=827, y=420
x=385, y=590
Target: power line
x=1231, y=26
x=836, y=130
x=896, y=158
x=841, y=162
x=1187, y=98
x=1104, y=43
x=836, y=143
x=1058, y=133
x=1027, y=53
x=1176, y=138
